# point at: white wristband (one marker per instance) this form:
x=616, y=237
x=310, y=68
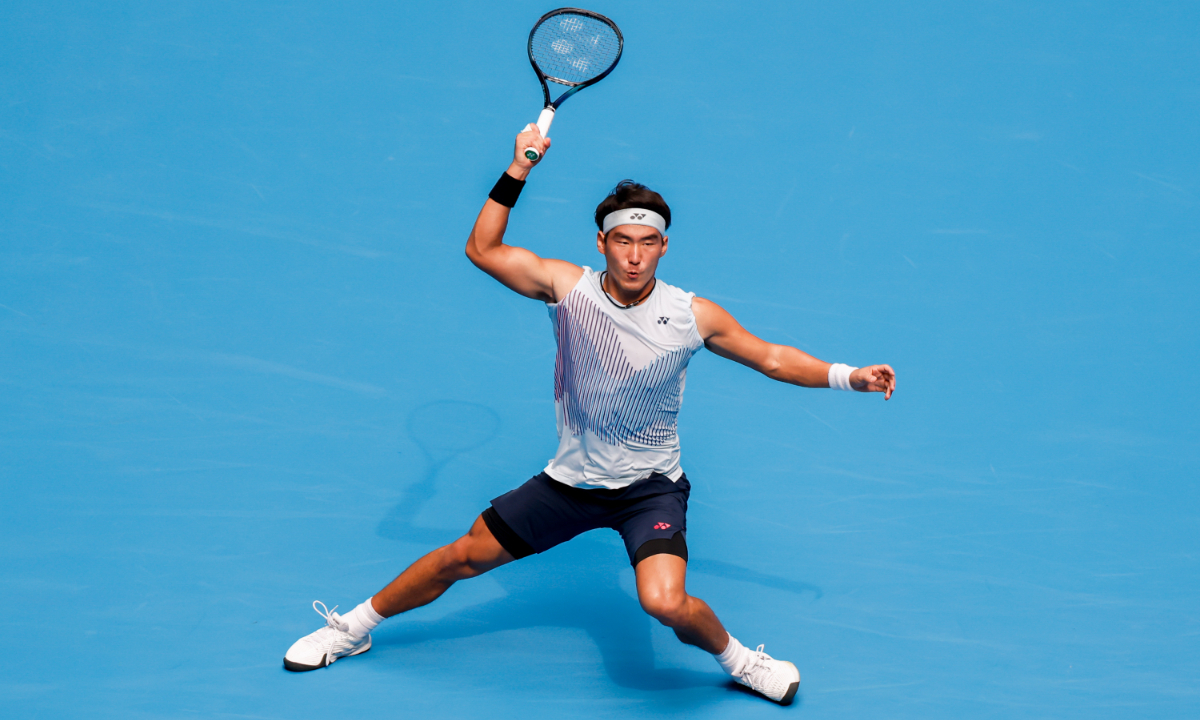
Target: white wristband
x=839, y=376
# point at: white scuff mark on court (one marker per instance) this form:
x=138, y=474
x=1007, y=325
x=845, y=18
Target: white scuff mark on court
x=753, y=518
x=232, y=227
x=818, y=419
x=859, y=688
x=928, y=637
x=185, y=407
x=418, y=78
x=15, y=311
x=910, y=262
x=1164, y=183
x=1085, y=483
x=858, y=476
x=811, y=311
x=266, y=366
x=19, y=690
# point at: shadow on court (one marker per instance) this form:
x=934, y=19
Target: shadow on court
x=554, y=589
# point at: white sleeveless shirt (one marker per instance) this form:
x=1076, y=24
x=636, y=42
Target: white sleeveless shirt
x=618, y=383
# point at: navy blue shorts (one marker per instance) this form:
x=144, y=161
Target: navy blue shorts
x=650, y=515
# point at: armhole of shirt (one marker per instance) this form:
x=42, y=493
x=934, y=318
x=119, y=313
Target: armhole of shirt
x=583, y=276
x=695, y=324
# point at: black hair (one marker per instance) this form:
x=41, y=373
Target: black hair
x=628, y=194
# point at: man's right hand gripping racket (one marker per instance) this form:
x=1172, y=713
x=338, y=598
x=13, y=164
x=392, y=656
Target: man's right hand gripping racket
x=571, y=47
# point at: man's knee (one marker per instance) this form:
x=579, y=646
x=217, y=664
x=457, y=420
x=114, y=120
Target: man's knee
x=667, y=607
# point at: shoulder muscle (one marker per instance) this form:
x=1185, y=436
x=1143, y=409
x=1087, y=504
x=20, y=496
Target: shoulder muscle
x=711, y=318
x=564, y=276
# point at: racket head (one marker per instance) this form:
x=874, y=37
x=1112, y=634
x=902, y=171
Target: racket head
x=574, y=48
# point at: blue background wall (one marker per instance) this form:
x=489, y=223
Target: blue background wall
x=244, y=363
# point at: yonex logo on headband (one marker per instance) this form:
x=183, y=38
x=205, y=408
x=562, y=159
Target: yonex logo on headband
x=634, y=216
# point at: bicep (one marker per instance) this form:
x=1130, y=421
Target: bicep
x=525, y=273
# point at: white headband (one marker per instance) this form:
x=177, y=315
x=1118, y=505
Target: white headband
x=635, y=216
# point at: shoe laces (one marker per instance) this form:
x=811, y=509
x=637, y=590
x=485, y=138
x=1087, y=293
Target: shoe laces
x=332, y=619
x=333, y=622
x=758, y=661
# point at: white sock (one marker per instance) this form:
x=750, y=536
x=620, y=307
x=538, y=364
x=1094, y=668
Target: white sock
x=362, y=619
x=734, y=658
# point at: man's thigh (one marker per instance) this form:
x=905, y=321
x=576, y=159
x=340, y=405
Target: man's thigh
x=480, y=550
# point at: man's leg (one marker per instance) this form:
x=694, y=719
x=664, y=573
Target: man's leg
x=425, y=580
x=660, y=586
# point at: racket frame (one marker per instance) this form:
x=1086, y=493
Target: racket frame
x=547, y=115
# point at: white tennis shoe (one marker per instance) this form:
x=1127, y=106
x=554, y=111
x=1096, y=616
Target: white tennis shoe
x=777, y=679
x=326, y=645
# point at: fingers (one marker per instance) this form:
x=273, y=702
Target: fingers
x=888, y=375
x=876, y=378
x=891, y=377
x=530, y=137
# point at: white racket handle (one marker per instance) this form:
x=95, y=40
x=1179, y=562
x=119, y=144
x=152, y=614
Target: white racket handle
x=543, y=125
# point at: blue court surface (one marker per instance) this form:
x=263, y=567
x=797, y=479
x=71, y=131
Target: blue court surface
x=245, y=365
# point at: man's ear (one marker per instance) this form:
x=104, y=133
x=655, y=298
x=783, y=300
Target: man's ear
x=664, y=252
x=600, y=242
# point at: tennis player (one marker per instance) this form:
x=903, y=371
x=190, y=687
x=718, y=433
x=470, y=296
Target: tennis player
x=624, y=342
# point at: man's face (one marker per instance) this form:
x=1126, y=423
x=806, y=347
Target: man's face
x=632, y=253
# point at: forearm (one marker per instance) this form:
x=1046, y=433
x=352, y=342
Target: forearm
x=488, y=233
x=789, y=365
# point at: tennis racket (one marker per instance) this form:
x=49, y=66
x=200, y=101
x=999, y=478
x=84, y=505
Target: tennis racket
x=571, y=47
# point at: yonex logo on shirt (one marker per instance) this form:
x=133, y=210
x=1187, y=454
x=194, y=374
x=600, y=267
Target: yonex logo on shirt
x=663, y=320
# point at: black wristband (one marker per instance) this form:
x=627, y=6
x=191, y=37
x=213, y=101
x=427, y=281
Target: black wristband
x=506, y=190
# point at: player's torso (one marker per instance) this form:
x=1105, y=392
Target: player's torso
x=618, y=383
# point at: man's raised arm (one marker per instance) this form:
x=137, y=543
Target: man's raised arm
x=724, y=336
x=517, y=268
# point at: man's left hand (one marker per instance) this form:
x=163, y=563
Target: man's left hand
x=874, y=378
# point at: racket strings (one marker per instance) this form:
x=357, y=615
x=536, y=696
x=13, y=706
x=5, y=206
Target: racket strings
x=572, y=49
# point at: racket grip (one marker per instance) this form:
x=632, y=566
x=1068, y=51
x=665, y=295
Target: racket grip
x=543, y=123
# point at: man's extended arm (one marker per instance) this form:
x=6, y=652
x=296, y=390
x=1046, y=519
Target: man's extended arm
x=517, y=268
x=724, y=336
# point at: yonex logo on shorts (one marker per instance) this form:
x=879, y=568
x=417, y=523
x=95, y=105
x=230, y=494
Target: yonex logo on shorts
x=662, y=526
